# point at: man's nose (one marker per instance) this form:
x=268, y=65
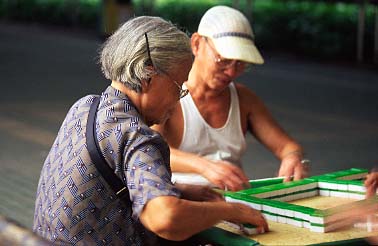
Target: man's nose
x=233, y=71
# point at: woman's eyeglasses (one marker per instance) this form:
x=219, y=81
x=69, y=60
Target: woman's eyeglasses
x=182, y=92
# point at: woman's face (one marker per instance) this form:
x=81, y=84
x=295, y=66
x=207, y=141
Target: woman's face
x=164, y=92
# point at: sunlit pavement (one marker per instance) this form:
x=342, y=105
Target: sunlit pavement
x=330, y=108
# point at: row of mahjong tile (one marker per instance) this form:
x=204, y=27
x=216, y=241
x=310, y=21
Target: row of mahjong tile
x=274, y=207
x=333, y=181
x=310, y=193
x=336, y=188
x=332, y=184
x=287, y=216
x=350, y=174
x=298, y=215
x=315, y=227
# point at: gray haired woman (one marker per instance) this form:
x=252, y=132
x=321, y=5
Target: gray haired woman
x=147, y=60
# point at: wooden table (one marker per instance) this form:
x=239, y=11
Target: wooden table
x=284, y=234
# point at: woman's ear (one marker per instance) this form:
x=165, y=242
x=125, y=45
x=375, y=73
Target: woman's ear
x=146, y=84
x=195, y=42
x=150, y=69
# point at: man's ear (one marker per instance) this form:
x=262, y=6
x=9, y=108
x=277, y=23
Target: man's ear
x=195, y=42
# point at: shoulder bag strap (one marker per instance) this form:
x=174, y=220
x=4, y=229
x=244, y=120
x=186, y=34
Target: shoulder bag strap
x=98, y=159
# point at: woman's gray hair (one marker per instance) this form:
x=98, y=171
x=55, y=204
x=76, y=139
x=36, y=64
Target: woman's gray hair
x=124, y=56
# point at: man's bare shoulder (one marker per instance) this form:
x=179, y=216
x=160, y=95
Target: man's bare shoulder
x=245, y=94
x=250, y=103
x=172, y=128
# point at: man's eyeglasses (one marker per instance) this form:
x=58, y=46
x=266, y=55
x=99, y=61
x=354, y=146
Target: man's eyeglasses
x=224, y=63
x=182, y=92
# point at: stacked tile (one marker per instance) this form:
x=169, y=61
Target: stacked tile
x=270, y=199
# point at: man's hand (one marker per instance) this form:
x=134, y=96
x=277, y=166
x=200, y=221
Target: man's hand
x=291, y=166
x=198, y=193
x=371, y=184
x=225, y=175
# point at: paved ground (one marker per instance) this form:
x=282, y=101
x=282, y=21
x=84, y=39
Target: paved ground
x=331, y=109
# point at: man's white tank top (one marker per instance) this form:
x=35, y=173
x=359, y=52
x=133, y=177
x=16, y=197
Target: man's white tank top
x=225, y=143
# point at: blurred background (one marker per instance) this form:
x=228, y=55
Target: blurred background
x=320, y=78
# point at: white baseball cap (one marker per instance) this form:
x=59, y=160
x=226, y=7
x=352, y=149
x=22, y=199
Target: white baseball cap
x=231, y=34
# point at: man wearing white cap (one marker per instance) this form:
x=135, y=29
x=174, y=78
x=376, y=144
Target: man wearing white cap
x=206, y=131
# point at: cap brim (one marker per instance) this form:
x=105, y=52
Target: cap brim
x=237, y=48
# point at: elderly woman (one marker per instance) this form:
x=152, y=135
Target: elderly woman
x=147, y=60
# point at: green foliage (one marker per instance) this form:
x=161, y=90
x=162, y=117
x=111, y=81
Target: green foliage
x=185, y=13
x=68, y=12
x=314, y=28
x=188, y=13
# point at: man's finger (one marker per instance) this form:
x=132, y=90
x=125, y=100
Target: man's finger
x=287, y=178
x=298, y=173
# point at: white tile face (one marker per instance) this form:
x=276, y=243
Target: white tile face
x=281, y=211
x=343, y=187
x=306, y=225
x=267, y=208
x=332, y=186
x=299, y=215
x=356, y=196
x=256, y=206
x=358, y=188
x=270, y=217
x=317, y=220
x=230, y=199
x=294, y=222
x=323, y=185
x=281, y=219
x=250, y=231
x=289, y=213
x=317, y=229
x=339, y=194
x=324, y=192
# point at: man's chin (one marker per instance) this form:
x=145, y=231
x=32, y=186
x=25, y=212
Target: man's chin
x=222, y=82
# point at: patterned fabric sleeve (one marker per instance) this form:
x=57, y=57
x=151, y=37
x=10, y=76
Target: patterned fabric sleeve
x=148, y=177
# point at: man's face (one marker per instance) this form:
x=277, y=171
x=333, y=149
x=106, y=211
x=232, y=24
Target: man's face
x=217, y=71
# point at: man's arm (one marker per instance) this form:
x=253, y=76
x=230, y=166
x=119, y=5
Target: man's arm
x=220, y=173
x=262, y=125
x=178, y=219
